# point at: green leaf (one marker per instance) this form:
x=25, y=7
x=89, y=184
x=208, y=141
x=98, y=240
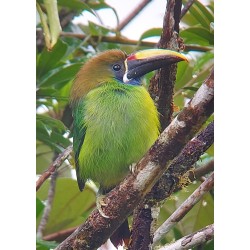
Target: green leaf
x=177, y=233
x=51, y=122
x=50, y=131
x=202, y=61
x=44, y=157
x=151, y=33
x=99, y=30
x=205, y=11
x=45, y=245
x=61, y=76
x=39, y=207
x=194, y=89
x=70, y=206
x=76, y=5
x=201, y=14
x=198, y=35
x=48, y=60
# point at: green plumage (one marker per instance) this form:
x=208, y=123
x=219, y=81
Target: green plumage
x=114, y=125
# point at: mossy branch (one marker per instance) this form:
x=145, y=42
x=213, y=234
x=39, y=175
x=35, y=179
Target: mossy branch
x=123, y=199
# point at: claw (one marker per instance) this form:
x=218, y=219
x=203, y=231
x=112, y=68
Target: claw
x=100, y=203
x=132, y=168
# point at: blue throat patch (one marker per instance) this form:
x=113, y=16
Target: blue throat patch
x=136, y=82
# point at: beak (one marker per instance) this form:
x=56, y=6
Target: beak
x=144, y=61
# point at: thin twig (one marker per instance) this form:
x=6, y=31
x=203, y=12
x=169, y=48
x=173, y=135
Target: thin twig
x=60, y=235
x=56, y=164
x=133, y=14
x=192, y=240
x=48, y=206
x=200, y=171
x=186, y=7
x=122, y=200
x=183, y=209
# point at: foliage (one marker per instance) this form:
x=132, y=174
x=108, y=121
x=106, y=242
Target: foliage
x=57, y=65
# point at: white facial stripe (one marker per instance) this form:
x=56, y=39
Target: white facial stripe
x=125, y=79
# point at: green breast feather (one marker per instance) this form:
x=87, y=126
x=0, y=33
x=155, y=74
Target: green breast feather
x=114, y=126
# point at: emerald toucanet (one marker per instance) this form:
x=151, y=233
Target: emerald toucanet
x=115, y=119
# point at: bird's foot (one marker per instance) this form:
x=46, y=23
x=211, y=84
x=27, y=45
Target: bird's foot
x=100, y=203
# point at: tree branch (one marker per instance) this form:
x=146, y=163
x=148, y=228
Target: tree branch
x=161, y=88
x=133, y=14
x=48, y=206
x=60, y=235
x=123, y=40
x=182, y=163
x=183, y=209
x=200, y=171
x=186, y=7
x=192, y=240
x=52, y=168
x=123, y=199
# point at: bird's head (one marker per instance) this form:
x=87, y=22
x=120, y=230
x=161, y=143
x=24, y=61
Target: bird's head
x=126, y=69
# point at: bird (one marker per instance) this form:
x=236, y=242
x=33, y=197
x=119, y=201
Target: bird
x=115, y=121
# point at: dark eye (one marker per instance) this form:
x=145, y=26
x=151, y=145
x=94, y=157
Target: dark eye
x=116, y=67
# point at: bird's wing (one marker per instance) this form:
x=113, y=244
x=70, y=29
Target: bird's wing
x=79, y=132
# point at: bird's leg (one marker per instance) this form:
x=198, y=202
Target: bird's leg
x=100, y=201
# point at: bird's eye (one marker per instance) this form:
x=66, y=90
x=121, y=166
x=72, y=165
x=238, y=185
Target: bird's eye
x=116, y=67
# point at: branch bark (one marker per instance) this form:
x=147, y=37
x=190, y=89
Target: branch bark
x=182, y=163
x=183, y=209
x=123, y=199
x=192, y=240
x=161, y=89
x=161, y=86
x=55, y=165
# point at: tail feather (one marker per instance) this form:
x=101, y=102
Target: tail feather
x=121, y=235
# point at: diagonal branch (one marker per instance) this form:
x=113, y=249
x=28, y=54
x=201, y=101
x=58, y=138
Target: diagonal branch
x=192, y=240
x=123, y=199
x=133, y=14
x=186, y=8
x=183, y=209
x=52, y=168
x=182, y=163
